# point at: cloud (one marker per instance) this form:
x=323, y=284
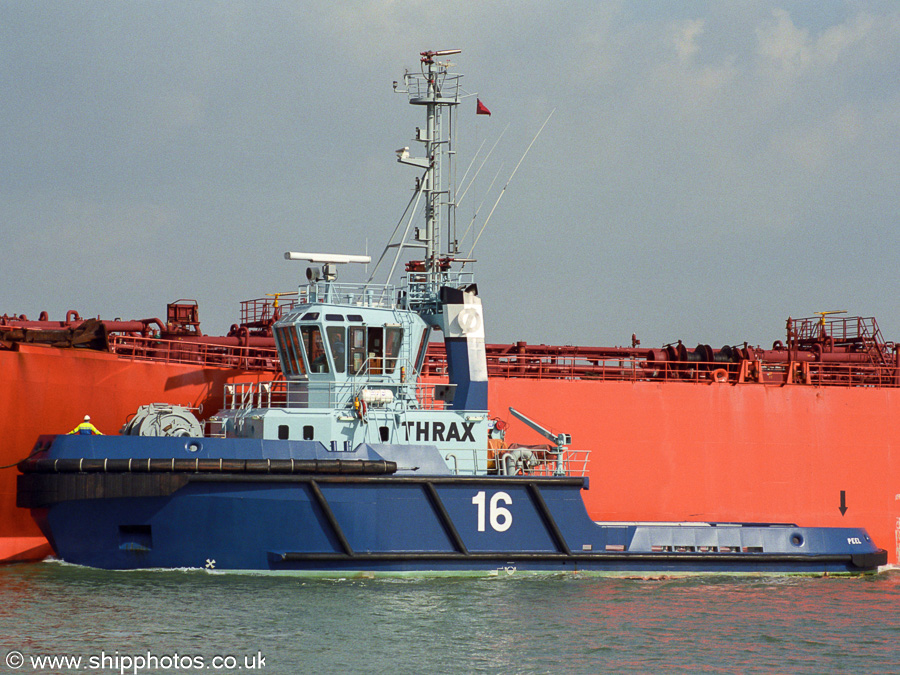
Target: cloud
x=685, y=39
x=792, y=50
x=695, y=150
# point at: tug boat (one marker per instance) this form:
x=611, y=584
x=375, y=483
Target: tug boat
x=350, y=464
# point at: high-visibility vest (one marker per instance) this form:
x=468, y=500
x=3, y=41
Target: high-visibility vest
x=85, y=429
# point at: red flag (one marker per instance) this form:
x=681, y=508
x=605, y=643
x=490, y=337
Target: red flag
x=482, y=109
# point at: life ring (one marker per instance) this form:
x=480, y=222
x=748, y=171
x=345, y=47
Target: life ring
x=719, y=375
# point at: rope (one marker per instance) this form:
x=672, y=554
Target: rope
x=32, y=454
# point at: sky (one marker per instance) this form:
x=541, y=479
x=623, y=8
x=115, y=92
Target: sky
x=709, y=168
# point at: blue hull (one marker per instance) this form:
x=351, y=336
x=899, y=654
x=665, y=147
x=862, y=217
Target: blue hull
x=360, y=517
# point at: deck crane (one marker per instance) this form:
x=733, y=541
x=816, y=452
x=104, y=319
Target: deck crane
x=562, y=441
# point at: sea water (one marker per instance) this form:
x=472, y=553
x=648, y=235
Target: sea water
x=191, y=621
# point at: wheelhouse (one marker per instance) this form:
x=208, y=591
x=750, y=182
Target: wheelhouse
x=332, y=344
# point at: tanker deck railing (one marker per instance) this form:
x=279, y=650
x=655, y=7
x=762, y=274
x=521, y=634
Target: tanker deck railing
x=586, y=364
x=541, y=362
x=265, y=311
x=841, y=330
x=204, y=354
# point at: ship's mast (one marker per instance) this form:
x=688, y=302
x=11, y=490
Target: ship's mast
x=446, y=299
x=436, y=88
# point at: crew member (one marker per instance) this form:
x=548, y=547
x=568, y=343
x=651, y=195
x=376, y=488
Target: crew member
x=86, y=428
x=337, y=350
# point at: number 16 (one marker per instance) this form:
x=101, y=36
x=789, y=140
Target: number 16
x=500, y=516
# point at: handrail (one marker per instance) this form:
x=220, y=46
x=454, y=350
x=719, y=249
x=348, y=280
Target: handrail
x=186, y=352
x=286, y=394
x=266, y=310
x=640, y=368
x=543, y=461
x=542, y=362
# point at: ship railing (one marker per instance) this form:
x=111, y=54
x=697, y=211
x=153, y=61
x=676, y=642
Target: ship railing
x=838, y=329
x=360, y=295
x=616, y=368
x=841, y=375
x=379, y=373
x=261, y=311
x=447, y=86
x=820, y=374
x=204, y=354
x=423, y=291
x=375, y=369
x=568, y=366
x=544, y=461
x=244, y=395
x=338, y=395
x=518, y=461
x=639, y=368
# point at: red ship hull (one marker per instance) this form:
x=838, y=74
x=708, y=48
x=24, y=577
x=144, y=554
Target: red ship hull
x=784, y=440
x=722, y=452
x=44, y=389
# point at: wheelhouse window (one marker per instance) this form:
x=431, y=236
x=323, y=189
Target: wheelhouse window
x=338, y=343
x=357, y=353
x=315, y=349
x=295, y=344
x=423, y=347
x=393, y=338
x=289, y=344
